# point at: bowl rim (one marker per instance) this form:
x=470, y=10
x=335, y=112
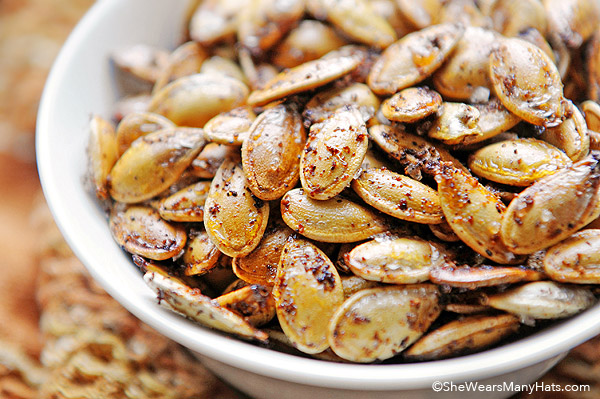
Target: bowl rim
x=508, y=358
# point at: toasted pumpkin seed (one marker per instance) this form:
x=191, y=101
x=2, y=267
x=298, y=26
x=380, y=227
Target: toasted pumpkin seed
x=467, y=67
x=186, y=205
x=413, y=58
x=572, y=21
x=230, y=127
x=358, y=20
x=304, y=77
x=543, y=300
x=215, y=20
x=138, y=66
x=482, y=276
x=414, y=152
x=218, y=65
x=200, y=308
x=185, y=60
x=325, y=103
x=153, y=163
x=411, y=104
x=527, y=82
x=378, y=323
x=443, y=231
x=466, y=335
x=511, y=17
x=333, y=154
x=205, y=165
x=456, y=123
x=571, y=136
x=260, y=265
x=193, y=100
x=307, y=292
x=353, y=283
x=405, y=260
x=575, y=260
x=253, y=302
x=308, y=41
x=234, y=219
x=593, y=67
x=399, y=196
x=474, y=213
x=201, y=254
x=271, y=153
x=553, y=208
x=591, y=111
x=140, y=230
x=137, y=124
x=421, y=14
x=494, y=119
x=517, y=162
x=334, y=220
x=103, y=154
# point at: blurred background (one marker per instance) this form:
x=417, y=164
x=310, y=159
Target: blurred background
x=61, y=336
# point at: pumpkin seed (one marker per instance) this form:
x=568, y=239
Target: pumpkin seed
x=307, y=292
x=271, y=153
x=411, y=104
x=335, y=220
x=482, y=276
x=378, y=323
x=494, y=119
x=553, y=208
x=153, y=163
x=235, y=220
x=575, y=259
x=201, y=254
x=465, y=335
x=253, y=302
x=215, y=20
x=518, y=162
x=571, y=136
x=103, y=154
x=185, y=60
x=205, y=165
x=333, y=154
x=186, y=205
x=413, y=58
x=137, y=124
x=456, y=123
x=510, y=17
x=325, y=103
x=140, y=230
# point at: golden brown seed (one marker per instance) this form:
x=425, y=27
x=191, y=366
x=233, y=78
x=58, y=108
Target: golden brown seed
x=140, y=230
x=205, y=165
x=517, y=162
x=413, y=58
x=414, y=152
x=572, y=21
x=333, y=154
x=103, y=154
x=543, y=300
x=215, y=20
x=271, y=153
x=396, y=261
x=571, y=136
x=399, y=196
x=307, y=76
x=186, y=205
x=494, y=119
x=308, y=41
x=138, y=67
x=467, y=68
x=482, y=276
x=353, y=283
x=200, y=308
x=253, y=302
x=510, y=17
x=465, y=335
x=137, y=124
x=185, y=60
x=443, y=231
x=264, y=22
x=576, y=259
x=527, y=82
x=234, y=219
x=153, y=163
x=218, y=65
x=532, y=35
x=260, y=265
x=466, y=12
x=326, y=102
x=334, y=220
x=553, y=208
x=358, y=20
x=474, y=213
x=456, y=123
x=307, y=292
x=193, y=100
x=420, y=14
x=201, y=254
x=378, y=323
x=230, y=127
x=593, y=67
x=411, y=104
x=591, y=111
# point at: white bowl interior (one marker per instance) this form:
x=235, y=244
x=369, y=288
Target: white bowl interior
x=81, y=84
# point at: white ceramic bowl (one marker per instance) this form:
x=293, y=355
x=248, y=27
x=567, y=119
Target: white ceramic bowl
x=81, y=84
